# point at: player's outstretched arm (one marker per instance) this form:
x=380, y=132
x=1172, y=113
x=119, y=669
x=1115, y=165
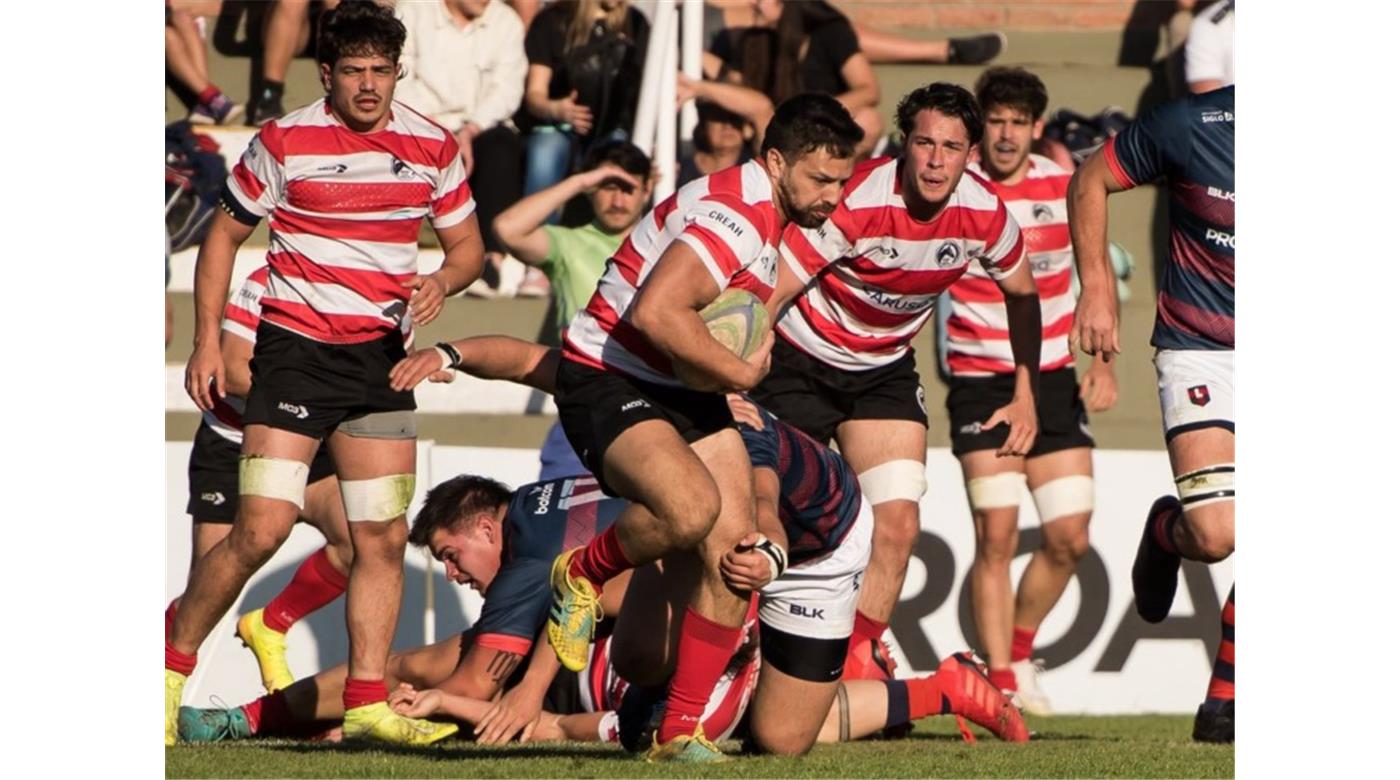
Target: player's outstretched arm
x=1023, y=325
x=518, y=711
x=212, y=272
x=667, y=311
x=484, y=357
x=1095, y=326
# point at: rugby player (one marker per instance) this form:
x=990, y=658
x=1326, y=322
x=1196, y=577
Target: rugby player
x=345, y=183
x=843, y=365
x=1191, y=144
x=502, y=544
x=805, y=562
x=1058, y=468
x=640, y=388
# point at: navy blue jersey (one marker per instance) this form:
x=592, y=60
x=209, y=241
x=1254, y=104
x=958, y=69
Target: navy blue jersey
x=819, y=496
x=1190, y=142
x=544, y=519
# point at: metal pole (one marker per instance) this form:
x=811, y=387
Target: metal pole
x=661, y=41
x=692, y=45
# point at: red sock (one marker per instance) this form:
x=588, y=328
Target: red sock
x=1004, y=679
x=1162, y=526
x=271, y=716
x=315, y=584
x=865, y=630
x=705, y=649
x=358, y=693
x=177, y=661
x=1022, y=640
x=1222, y=678
x=926, y=696
x=209, y=94
x=601, y=560
x=170, y=615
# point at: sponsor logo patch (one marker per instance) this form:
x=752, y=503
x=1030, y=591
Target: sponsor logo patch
x=296, y=410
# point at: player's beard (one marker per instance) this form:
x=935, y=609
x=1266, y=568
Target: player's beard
x=810, y=217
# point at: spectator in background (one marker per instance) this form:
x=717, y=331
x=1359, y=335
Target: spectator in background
x=617, y=180
x=730, y=130
x=464, y=64
x=1210, y=48
x=802, y=47
x=286, y=31
x=879, y=46
x=581, y=89
x=186, y=60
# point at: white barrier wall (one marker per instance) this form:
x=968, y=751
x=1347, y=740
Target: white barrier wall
x=1101, y=657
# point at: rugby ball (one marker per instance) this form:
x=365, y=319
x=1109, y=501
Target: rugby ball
x=737, y=320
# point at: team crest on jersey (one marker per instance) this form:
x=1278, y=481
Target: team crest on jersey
x=1199, y=395
x=1042, y=212
x=948, y=254
x=401, y=169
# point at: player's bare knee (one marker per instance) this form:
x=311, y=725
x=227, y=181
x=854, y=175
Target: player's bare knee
x=1211, y=531
x=691, y=514
x=781, y=742
x=1066, y=539
x=253, y=544
x=379, y=543
x=996, y=542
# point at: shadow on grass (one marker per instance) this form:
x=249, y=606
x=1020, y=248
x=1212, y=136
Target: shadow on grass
x=459, y=751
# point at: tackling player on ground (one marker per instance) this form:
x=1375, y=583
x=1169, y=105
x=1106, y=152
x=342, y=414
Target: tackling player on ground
x=1191, y=144
x=345, y=184
x=843, y=365
x=1058, y=469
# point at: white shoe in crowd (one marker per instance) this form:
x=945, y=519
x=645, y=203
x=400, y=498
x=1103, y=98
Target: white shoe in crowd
x=1029, y=697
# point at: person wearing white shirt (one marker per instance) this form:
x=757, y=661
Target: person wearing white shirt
x=1210, y=48
x=464, y=67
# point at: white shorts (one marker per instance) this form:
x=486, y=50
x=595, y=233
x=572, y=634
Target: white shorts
x=817, y=599
x=1196, y=388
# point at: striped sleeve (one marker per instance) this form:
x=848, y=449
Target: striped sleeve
x=452, y=198
x=244, y=308
x=255, y=185
x=1005, y=249
x=724, y=232
x=1145, y=150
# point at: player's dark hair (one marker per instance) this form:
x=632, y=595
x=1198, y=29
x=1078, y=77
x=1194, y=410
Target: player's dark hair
x=623, y=154
x=454, y=500
x=947, y=99
x=1015, y=88
x=359, y=28
x=808, y=122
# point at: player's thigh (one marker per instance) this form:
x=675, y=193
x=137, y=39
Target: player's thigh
x=1200, y=452
x=1062, y=488
x=427, y=666
x=650, y=463
x=648, y=625
x=727, y=460
x=273, y=469
x=325, y=509
x=787, y=712
x=888, y=458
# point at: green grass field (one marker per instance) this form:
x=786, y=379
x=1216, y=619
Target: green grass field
x=1064, y=746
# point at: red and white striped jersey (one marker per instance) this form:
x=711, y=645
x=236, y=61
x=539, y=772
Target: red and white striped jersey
x=978, y=336
x=730, y=221
x=344, y=211
x=241, y=316
x=879, y=272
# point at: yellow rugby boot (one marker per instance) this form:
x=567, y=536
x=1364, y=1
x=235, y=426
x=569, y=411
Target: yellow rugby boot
x=269, y=647
x=576, y=611
x=378, y=723
x=174, y=690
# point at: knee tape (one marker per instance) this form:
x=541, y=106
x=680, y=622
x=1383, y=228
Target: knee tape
x=998, y=490
x=278, y=478
x=843, y=729
x=895, y=480
x=377, y=500
x=1209, y=485
x=1072, y=495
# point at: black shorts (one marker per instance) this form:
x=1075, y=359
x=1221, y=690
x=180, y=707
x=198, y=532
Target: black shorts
x=815, y=397
x=1064, y=423
x=595, y=407
x=308, y=387
x=214, y=476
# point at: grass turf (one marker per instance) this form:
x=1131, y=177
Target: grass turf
x=1066, y=746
